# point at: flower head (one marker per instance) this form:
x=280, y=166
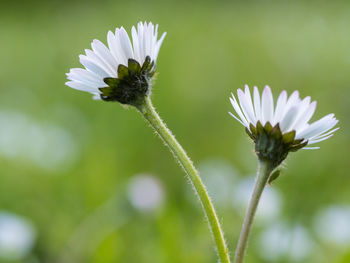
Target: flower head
x=278, y=130
x=123, y=71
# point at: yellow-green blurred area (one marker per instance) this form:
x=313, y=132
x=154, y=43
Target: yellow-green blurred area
x=89, y=181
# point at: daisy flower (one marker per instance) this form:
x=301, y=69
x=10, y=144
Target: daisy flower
x=278, y=130
x=122, y=71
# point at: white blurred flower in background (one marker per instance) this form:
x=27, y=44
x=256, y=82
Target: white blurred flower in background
x=49, y=146
x=332, y=224
x=17, y=236
x=270, y=204
x=145, y=192
x=280, y=242
x=220, y=177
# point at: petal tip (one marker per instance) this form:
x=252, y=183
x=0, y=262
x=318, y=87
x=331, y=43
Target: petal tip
x=267, y=89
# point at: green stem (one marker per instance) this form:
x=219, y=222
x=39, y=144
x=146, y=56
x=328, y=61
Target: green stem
x=158, y=125
x=264, y=171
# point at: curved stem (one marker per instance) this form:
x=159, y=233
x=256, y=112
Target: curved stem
x=264, y=171
x=159, y=126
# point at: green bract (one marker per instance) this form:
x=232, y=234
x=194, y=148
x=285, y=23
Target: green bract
x=132, y=85
x=271, y=144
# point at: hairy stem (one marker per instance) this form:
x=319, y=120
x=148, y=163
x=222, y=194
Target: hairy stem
x=149, y=113
x=264, y=171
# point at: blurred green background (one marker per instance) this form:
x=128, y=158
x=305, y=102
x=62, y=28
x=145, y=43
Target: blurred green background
x=87, y=181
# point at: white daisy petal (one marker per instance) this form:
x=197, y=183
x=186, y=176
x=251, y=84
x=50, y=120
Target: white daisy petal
x=140, y=31
x=135, y=40
x=324, y=134
x=113, y=46
x=154, y=41
x=292, y=101
x=158, y=45
x=80, y=86
x=318, y=127
x=288, y=119
x=126, y=44
x=246, y=106
x=311, y=148
x=103, y=52
x=85, y=76
x=93, y=67
x=97, y=60
x=302, y=108
x=306, y=116
x=249, y=103
x=148, y=39
x=267, y=106
x=257, y=104
x=280, y=106
x=123, y=59
x=320, y=139
x=236, y=118
x=238, y=110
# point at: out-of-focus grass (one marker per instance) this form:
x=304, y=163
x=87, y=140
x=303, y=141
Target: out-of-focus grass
x=212, y=48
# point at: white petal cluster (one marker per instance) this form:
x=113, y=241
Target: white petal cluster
x=291, y=113
x=102, y=61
